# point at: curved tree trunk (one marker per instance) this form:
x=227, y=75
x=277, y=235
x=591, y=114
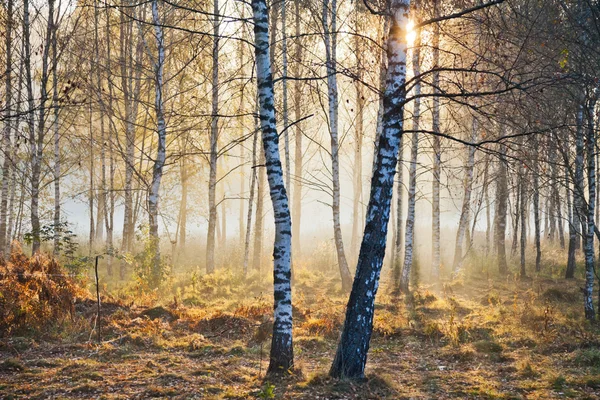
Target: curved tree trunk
x=353, y=346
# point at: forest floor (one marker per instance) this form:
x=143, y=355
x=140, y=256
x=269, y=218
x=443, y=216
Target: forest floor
x=474, y=338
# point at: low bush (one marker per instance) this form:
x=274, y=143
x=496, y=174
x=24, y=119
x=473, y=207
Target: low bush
x=35, y=292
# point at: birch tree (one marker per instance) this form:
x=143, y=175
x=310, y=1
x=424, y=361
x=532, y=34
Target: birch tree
x=282, y=355
x=353, y=346
x=214, y=138
x=330, y=38
x=412, y=173
x=8, y=125
x=161, y=130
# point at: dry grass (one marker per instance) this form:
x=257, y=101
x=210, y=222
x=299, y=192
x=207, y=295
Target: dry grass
x=473, y=339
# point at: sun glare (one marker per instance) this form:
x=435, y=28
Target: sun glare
x=411, y=33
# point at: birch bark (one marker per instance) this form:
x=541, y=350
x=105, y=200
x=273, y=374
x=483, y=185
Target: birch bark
x=282, y=356
x=353, y=346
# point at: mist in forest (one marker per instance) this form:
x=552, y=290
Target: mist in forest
x=381, y=184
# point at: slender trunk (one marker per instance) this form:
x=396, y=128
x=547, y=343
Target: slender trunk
x=570, y=270
x=109, y=202
x=536, y=208
x=37, y=142
x=282, y=356
x=330, y=37
x=297, y=192
x=284, y=87
x=397, y=262
x=251, y=199
x=100, y=218
x=182, y=230
x=57, y=166
x=91, y=189
x=214, y=138
x=515, y=219
x=358, y=139
x=161, y=151
x=437, y=153
x=590, y=313
x=523, y=218
x=258, y=226
x=8, y=124
x=501, y=211
x=578, y=186
x=129, y=99
x=15, y=164
x=488, y=211
x=412, y=177
x=466, y=206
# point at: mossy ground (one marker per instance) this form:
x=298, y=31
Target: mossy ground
x=475, y=338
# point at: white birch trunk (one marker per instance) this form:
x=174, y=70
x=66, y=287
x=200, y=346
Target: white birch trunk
x=353, y=347
x=8, y=125
x=330, y=38
x=214, y=139
x=282, y=356
x=161, y=130
x=590, y=313
x=412, y=174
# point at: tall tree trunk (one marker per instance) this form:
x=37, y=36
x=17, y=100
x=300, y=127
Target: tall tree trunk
x=412, y=175
x=297, y=191
x=501, y=210
x=161, y=151
x=590, y=313
x=37, y=142
x=436, y=261
x=282, y=356
x=126, y=58
x=57, y=166
x=330, y=37
x=382, y=82
x=570, y=270
x=284, y=88
x=258, y=226
x=397, y=262
x=463, y=223
x=182, y=231
x=353, y=346
x=8, y=124
x=91, y=189
x=523, y=218
x=357, y=197
x=578, y=187
x=536, y=208
x=515, y=218
x=488, y=210
x=214, y=143
x=251, y=199
x=109, y=202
